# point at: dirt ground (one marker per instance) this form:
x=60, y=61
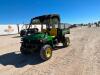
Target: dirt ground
x=82, y=57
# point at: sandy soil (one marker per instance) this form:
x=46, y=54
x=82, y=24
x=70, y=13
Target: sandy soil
x=82, y=57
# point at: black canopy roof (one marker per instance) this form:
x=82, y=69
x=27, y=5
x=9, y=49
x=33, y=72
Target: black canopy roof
x=47, y=17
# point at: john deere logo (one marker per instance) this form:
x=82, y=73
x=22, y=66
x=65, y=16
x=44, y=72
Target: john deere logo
x=9, y=29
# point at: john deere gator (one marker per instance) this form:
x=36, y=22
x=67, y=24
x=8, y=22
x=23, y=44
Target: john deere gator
x=45, y=40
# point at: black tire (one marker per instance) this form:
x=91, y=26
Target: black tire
x=43, y=54
x=23, y=33
x=66, y=42
x=24, y=51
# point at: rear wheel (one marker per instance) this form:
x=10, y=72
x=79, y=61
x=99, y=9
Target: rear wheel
x=46, y=52
x=66, y=42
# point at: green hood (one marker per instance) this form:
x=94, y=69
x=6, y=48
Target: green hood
x=38, y=36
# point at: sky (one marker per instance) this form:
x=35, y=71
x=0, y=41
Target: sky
x=70, y=11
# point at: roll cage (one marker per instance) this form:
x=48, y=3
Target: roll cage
x=51, y=21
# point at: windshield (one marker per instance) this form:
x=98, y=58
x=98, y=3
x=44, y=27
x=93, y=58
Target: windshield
x=44, y=23
x=36, y=23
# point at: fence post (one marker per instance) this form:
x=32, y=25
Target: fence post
x=18, y=28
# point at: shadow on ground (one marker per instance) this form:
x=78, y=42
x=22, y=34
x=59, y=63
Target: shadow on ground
x=58, y=47
x=18, y=60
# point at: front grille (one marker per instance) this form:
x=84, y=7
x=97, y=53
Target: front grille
x=30, y=44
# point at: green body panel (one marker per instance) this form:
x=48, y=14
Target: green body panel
x=39, y=36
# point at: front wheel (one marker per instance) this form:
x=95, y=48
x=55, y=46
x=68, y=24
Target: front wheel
x=24, y=51
x=66, y=42
x=46, y=52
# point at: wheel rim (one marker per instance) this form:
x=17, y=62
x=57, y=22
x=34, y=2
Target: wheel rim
x=48, y=52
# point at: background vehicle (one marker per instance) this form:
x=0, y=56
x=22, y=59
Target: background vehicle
x=72, y=26
x=46, y=40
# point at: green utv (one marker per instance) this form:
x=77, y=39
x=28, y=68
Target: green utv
x=45, y=40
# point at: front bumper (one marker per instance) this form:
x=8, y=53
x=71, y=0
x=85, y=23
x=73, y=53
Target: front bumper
x=30, y=47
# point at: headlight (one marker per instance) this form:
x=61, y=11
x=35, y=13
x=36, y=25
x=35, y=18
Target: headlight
x=41, y=40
